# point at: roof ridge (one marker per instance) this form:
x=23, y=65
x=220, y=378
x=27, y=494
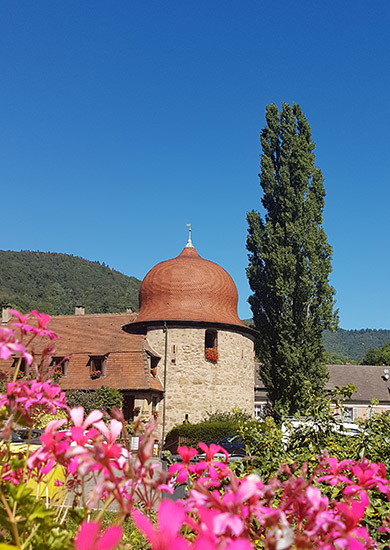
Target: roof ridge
x=72, y=315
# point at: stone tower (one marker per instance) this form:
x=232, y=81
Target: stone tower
x=188, y=306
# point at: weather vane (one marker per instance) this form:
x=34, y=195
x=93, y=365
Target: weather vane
x=189, y=244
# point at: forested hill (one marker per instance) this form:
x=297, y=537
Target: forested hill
x=354, y=344
x=56, y=283
x=349, y=345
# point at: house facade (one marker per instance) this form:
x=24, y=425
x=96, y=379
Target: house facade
x=93, y=351
x=372, y=383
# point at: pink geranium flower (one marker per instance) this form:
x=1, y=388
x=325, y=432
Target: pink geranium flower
x=185, y=468
x=333, y=472
x=9, y=345
x=215, y=469
x=367, y=477
x=40, y=330
x=170, y=519
x=90, y=538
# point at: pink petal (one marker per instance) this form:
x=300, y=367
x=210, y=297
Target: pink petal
x=239, y=544
x=115, y=428
x=93, y=417
x=170, y=518
x=144, y=524
x=86, y=537
x=77, y=415
x=180, y=543
x=205, y=543
x=110, y=538
x=182, y=476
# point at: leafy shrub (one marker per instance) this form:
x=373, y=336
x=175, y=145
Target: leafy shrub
x=235, y=415
x=44, y=420
x=102, y=399
x=191, y=434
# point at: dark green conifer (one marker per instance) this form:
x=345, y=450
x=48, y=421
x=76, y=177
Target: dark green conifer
x=290, y=262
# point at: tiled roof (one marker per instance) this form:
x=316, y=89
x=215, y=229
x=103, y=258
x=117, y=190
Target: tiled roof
x=188, y=288
x=100, y=335
x=369, y=379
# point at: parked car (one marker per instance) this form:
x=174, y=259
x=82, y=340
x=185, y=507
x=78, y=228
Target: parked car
x=35, y=438
x=233, y=444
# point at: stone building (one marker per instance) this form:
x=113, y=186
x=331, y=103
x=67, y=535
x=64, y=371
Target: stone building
x=184, y=354
x=201, y=351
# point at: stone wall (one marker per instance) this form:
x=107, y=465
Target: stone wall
x=196, y=386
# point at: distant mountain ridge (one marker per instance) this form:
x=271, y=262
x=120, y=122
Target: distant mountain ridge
x=350, y=344
x=56, y=283
x=355, y=343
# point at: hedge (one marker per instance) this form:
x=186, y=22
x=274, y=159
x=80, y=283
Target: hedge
x=192, y=434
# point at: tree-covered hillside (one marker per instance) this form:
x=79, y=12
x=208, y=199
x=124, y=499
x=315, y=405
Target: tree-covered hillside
x=350, y=345
x=56, y=283
x=354, y=344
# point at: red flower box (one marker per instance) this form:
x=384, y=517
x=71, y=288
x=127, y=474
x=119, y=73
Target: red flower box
x=211, y=354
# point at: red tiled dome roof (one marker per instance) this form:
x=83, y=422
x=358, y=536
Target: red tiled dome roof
x=188, y=288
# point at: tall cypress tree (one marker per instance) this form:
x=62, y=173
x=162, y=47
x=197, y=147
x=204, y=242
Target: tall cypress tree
x=290, y=262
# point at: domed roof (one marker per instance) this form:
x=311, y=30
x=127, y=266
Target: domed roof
x=188, y=288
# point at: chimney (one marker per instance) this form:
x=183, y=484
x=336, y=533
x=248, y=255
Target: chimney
x=5, y=315
x=79, y=310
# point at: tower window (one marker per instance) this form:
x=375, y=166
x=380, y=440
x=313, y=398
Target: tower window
x=210, y=346
x=152, y=363
x=211, y=340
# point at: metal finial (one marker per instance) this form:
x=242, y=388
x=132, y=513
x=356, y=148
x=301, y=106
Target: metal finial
x=189, y=244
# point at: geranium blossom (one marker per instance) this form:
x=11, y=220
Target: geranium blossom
x=89, y=536
x=40, y=330
x=165, y=536
x=9, y=345
x=29, y=399
x=185, y=468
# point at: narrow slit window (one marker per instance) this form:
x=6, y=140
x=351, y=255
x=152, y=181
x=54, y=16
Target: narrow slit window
x=211, y=346
x=211, y=339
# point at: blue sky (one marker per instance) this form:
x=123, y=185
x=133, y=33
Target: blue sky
x=123, y=121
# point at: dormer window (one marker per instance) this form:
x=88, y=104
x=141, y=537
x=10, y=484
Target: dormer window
x=98, y=365
x=23, y=368
x=60, y=366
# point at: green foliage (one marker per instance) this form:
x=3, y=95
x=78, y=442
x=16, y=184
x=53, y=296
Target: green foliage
x=355, y=343
x=235, y=415
x=333, y=358
x=44, y=420
x=290, y=262
x=204, y=431
x=263, y=447
x=377, y=356
x=56, y=283
x=28, y=511
x=102, y=399
x=299, y=439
